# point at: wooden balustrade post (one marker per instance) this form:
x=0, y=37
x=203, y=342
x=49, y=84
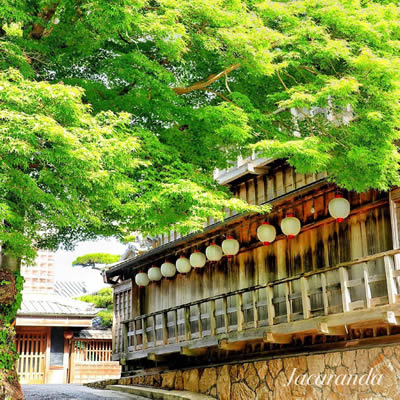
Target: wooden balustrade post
x=200, y=323
x=125, y=349
x=240, y=314
x=176, y=326
x=346, y=299
x=324, y=293
x=288, y=302
x=188, y=330
x=366, y=285
x=270, y=305
x=154, y=332
x=226, y=318
x=165, y=327
x=305, y=299
x=391, y=285
x=144, y=333
x=213, y=322
x=135, y=341
x=255, y=309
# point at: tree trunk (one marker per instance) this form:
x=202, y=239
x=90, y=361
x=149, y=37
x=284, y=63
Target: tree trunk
x=10, y=388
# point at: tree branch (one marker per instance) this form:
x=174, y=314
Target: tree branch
x=203, y=84
x=39, y=29
x=280, y=79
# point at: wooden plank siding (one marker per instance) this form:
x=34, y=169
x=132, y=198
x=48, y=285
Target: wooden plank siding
x=335, y=314
x=122, y=293
x=327, y=244
x=323, y=243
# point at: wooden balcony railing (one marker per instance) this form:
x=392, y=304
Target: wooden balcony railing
x=326, y=300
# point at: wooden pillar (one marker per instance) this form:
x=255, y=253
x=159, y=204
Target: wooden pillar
x=240, y=314
x=391, y=285
x=213, y=322
x=305, y=299
x=270, y=305
x=188, y=331
x=346, y=299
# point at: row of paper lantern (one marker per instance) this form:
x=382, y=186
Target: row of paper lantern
x=339, y=208
x=183, y=265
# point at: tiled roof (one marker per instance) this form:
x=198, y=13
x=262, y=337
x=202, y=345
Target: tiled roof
x=47, y=304
x=70, y=288
x=94, y=334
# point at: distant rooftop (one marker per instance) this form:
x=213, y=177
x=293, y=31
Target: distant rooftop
x=54, y=305
x=94, y=334
x=70, y=289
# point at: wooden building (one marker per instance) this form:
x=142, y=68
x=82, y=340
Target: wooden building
x=57, y=338
x=56, y=342
x=334, y=285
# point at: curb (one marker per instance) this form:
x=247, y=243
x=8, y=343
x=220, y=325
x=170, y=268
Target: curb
x=159, y=394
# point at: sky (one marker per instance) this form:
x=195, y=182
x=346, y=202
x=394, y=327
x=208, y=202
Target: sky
x=63, y=261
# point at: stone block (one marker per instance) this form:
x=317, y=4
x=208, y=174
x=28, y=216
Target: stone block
x=191, y=380
x=240, y=391
x=208, y=379
x=224, y=384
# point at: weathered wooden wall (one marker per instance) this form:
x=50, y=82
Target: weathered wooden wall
x=123, y=301
x=323, y=243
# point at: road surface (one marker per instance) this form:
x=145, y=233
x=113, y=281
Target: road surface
x=72, y=392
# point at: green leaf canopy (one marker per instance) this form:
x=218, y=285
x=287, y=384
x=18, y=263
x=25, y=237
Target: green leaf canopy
x=113, y=115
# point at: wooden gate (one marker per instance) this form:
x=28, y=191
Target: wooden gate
x=31, y=345
x=91, y=360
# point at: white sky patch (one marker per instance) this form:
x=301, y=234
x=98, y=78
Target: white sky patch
x=63, y=262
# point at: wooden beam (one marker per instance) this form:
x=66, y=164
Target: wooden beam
x=231, y=346
x=325, y=329
x=390, y=318
x=186, y=351
x=157, y=357
x=278, y=338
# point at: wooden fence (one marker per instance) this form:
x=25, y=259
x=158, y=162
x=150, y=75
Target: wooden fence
x=363, y=284
x=31, y=347
x=91, y=360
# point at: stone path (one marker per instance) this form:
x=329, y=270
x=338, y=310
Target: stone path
x=72, y=392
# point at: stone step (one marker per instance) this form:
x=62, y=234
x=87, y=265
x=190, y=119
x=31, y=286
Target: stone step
x=159, y=394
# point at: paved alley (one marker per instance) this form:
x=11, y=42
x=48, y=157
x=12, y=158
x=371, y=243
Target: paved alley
x=72, y=392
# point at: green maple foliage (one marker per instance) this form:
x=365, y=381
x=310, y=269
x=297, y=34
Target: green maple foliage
x=113, y=115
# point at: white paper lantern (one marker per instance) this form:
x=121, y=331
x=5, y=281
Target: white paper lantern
x=197, y=259
x=154, y=273
x=266, y=233
x=230, y=246
x=290, y=226
x=168, y=269
x=183, y=265
x=214, y=252
x=142, y=279
x=339, y=208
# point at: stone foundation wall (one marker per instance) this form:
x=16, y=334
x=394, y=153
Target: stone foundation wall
x=269, y=380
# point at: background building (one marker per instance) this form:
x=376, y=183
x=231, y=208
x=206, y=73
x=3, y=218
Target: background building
x=57, y=337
